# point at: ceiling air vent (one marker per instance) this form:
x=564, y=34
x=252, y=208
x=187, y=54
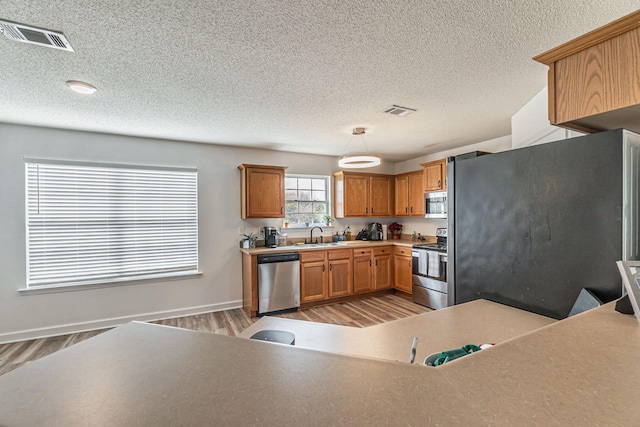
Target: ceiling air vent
x=33, y=35
x=399, y=111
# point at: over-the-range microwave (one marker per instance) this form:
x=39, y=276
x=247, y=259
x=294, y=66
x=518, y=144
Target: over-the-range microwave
x=435, y=205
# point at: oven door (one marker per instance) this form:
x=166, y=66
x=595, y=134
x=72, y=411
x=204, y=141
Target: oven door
x=419, y=262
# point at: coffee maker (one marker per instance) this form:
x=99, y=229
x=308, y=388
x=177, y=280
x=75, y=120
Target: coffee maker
x=375, y=231
x=270, y=237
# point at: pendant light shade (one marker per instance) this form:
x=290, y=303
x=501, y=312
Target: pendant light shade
x=358, y=161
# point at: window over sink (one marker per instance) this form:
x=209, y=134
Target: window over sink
x=307, y=199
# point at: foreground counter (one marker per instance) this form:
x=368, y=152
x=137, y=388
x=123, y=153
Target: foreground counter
x=579, y=371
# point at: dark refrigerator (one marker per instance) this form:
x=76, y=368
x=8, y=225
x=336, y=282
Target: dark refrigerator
x=531, y=227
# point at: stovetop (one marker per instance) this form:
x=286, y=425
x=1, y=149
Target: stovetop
x=431, y=247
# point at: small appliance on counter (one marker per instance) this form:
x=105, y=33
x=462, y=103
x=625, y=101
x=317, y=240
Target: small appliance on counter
x=270, y=237
x=375, y=231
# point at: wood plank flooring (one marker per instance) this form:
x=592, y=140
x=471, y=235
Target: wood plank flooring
x=357, y=313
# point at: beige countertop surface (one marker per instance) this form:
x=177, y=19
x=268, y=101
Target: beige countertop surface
x=477, y=322
x=581, y=371
x=326, y=246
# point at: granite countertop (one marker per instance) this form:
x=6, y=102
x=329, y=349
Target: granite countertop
x=329, y=246
x=578, y=371
x=476, y=322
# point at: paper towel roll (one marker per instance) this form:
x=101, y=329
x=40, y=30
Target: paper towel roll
x=384, y=232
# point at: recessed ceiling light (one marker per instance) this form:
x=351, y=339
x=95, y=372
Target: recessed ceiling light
x=81, y=87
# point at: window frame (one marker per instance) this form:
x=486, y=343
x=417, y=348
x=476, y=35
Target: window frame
x=328, y=201
x=188, y=220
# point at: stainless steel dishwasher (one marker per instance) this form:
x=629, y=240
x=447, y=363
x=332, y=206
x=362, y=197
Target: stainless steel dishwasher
x=278, y=282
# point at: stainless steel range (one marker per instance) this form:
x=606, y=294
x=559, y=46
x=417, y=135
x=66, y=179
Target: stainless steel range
x=429, y=277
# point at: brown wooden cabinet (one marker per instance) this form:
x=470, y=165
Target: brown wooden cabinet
x=262, y=191
x=382, y=267
x=435, y=175
x=313, y=276
x=340, y=274
x=325, y=274
x=409, y=194
x=362, y=195
x=594, y=80
x=402, y=269
x=362, y=270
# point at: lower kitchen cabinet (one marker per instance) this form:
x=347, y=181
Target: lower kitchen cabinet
x=313, y=276
x=340, y=275
x=362, y=270
x=402, y=269
x=382, y=267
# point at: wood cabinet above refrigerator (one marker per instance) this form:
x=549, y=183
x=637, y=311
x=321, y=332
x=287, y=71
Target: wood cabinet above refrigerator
x=594, y=80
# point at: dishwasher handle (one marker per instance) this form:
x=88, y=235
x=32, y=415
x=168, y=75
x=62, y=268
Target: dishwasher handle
x=281, y=257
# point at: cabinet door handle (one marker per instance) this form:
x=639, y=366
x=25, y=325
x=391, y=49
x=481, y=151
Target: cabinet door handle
x=371, y=211
x=366, y=210
x=376, y=263
x=439, y=183
x=411, y=209
x=323, y=267
x=330, y=267
x=281, y=209
x=369, y=263
x=406, y=210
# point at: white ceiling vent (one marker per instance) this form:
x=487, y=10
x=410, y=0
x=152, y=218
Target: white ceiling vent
x=32, y=35
x=399, y=111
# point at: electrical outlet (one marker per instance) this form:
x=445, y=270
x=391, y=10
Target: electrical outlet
x=240, y=231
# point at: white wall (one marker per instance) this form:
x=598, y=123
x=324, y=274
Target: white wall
x=29, y=316
x=531, y=126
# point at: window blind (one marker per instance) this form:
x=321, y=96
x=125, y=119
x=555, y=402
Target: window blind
x=94, y=224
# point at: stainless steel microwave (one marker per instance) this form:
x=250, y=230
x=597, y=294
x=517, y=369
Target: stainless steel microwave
x=435, y=205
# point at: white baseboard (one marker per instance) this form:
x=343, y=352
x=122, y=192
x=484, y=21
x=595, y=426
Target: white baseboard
x=71, y=328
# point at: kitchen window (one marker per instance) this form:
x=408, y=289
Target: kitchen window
x=92, y=224
x=306, y=199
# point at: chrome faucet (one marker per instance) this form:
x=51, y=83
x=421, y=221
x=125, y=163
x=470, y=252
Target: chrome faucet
x=311, y=236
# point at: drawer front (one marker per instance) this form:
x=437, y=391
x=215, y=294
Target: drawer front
x=339, y=254
x=384, y=250
x=312, y=256
x=362, y=252
x=401, y=250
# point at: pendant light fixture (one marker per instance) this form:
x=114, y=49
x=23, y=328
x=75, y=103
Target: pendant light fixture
x=360, y=160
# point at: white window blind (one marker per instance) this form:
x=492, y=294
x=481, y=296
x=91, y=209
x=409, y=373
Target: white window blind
x=95, y=224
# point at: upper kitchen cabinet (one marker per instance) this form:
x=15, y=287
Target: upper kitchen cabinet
x=262, y=191
x=435, y=175
x=362, y=195
x=409, y=194
x=594, y=80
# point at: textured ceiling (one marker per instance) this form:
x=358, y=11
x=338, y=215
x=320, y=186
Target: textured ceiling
x=292, y=76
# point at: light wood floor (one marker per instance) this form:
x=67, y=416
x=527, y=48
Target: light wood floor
x=358, y=313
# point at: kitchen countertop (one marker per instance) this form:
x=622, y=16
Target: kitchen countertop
x=326, y=246
x=476, y=322
x=578, y=371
